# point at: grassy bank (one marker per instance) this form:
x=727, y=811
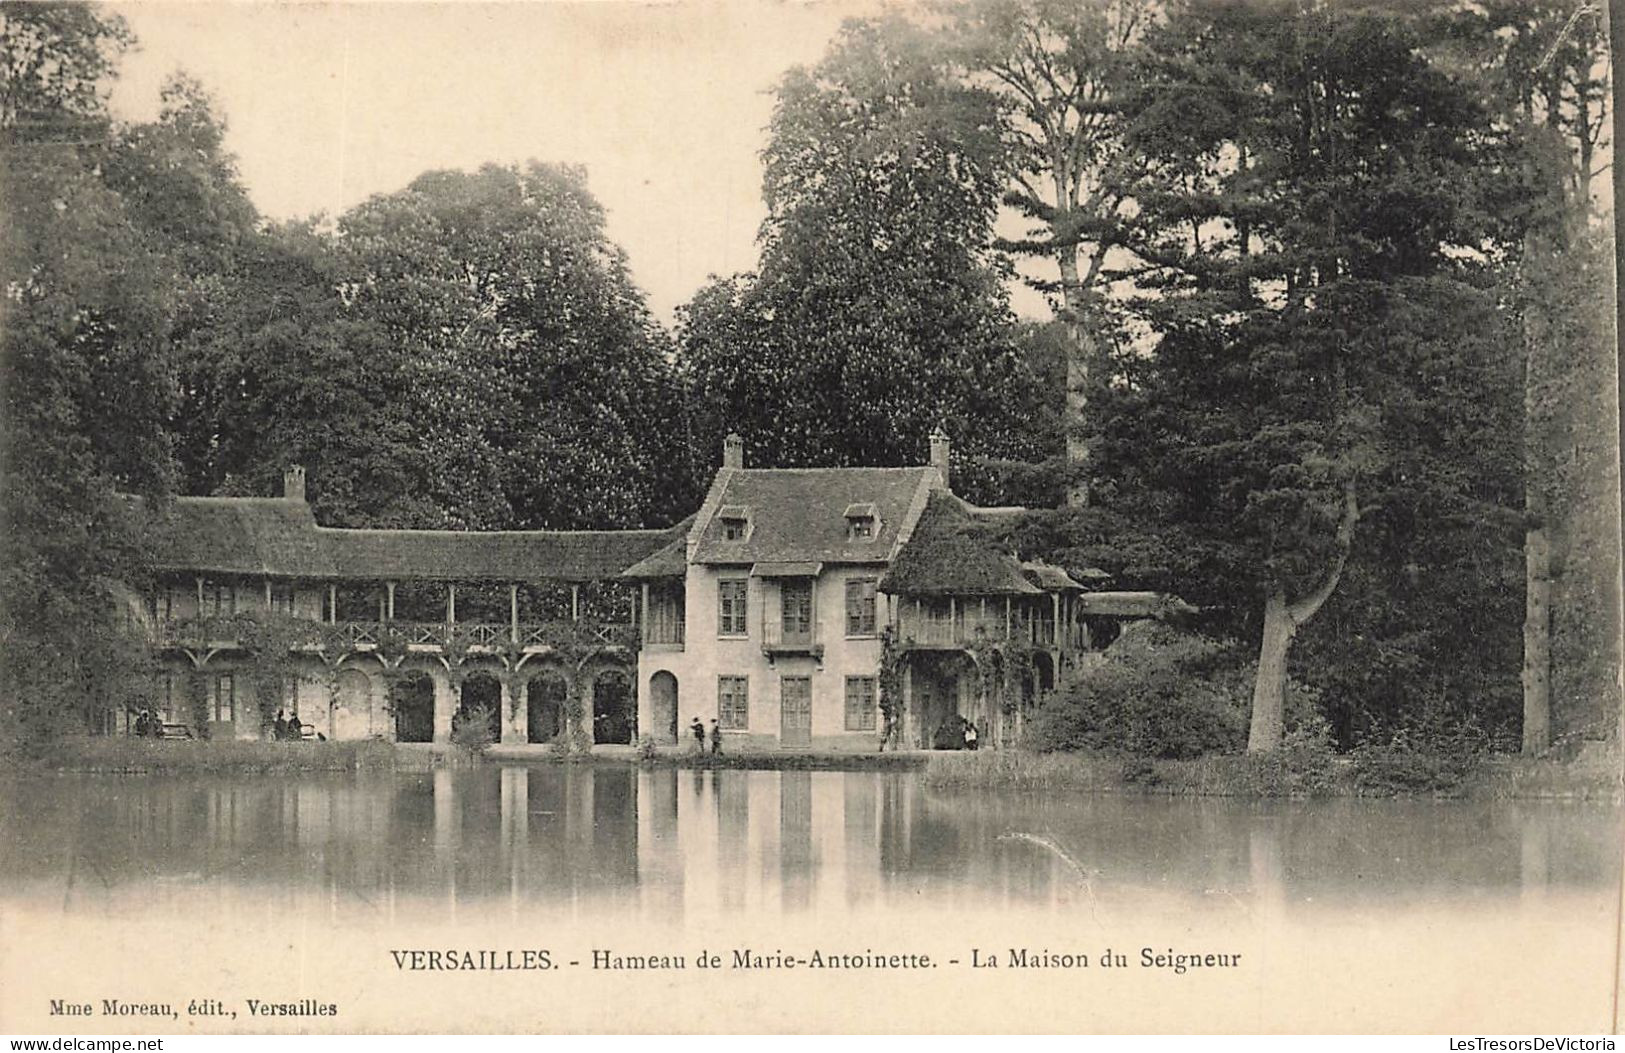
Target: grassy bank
x=775, y=760
x=132, y=756
x=1286, y=774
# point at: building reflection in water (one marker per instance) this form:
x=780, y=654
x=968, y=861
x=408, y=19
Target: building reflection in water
x=667, y=845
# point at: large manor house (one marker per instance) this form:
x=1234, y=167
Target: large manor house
x=782, y=610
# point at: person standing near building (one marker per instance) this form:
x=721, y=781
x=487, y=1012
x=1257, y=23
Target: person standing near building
x=716, y=739
x=698, y=730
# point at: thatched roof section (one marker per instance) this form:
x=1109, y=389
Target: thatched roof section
x=508, y=555
x=1049, y=577
x=948, y=555
x=1133, y=604
x=799, y=514
x=668, y=561
x=274, y=537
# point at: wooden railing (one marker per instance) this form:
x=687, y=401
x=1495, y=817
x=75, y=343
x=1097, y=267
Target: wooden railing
x=968, y=626
x=776, y=639
x=368, y=635
x=664, y=632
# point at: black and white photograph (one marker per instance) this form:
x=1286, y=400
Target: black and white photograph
x=810, y=516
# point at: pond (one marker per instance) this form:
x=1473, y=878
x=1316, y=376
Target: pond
x=1340, y=914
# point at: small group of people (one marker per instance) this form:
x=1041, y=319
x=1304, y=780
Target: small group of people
x=148, y=724
x=698, y=731
x=286, y=728
x=956, y=733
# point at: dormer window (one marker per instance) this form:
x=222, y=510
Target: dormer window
x=735, y=523
x=861, y=522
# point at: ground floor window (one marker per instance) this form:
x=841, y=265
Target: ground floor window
x=733, y=702
x=860, y=703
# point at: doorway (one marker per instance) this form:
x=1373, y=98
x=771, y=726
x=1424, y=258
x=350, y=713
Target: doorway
x=795, y=711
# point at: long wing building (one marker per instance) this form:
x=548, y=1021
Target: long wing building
x=802, y=608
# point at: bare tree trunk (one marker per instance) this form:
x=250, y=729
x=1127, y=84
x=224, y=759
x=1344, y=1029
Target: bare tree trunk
x=1269, y=686
x=1537, y=552
x=1281, y=621
x=1080, y=353
x=1537, y=629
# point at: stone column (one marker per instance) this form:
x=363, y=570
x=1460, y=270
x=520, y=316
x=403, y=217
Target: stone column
x=508, y=720
x=445, y=704
x=521, y=709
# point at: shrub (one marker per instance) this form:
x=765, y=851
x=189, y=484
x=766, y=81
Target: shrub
x=1425, y=757
x=1157, y=693
x=571, y=744
x=1304, y=765
x=471, y=729
x=647, y=750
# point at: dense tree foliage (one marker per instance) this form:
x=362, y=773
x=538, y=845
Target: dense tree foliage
x=467, y=352
x=879, y=311
x=1328, y=382
x=1062, y=71
x=84, y=372
x=1329, y=338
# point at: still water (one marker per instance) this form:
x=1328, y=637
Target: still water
x=1348, y=904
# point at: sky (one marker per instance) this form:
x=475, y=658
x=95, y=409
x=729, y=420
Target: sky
x=666, y=105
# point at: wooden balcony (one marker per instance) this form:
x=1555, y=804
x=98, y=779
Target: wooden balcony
x=972, y=624
x=778, y=641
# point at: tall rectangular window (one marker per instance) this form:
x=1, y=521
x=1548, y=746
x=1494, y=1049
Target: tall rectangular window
x=860, y=607
x=733, y=702
x=731, y=607
x=795, y=608
x=224, y=690
x=860, y=703
x=282, y=599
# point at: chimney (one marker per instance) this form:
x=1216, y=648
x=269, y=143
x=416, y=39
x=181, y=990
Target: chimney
x=733, y=451
x=939, y=454
x=293, y=483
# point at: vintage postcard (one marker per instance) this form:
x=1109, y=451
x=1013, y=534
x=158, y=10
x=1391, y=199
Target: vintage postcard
x=729, y=516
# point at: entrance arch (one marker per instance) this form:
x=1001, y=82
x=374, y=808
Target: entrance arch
x=663, y=707
x=942, y=684
x=613, y=718
x=412, y=699
x=1045, y=667
x=545, y=695
x=481, y=689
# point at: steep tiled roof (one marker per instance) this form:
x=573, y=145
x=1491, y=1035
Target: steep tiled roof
x=279, y=538
x=799, y=514
x=946, y=555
